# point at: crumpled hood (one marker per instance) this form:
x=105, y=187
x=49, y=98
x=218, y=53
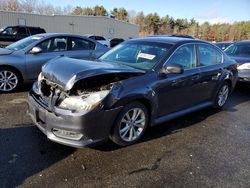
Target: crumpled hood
x=5, y=51
x=241, y=60
x=65, y=71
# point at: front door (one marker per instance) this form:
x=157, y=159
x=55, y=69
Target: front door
x=180, y=91
x=51, y=48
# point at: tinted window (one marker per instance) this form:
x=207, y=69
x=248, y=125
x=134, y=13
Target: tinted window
x=99, y=38
x=54, y=45
x=208, y=55
x=242, y=50
x=22, y=31
x=184, y=56
x=34, y=31
x=80, y=44
x=136, y=54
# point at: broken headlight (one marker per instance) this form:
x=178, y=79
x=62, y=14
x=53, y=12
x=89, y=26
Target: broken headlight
x=84, y=102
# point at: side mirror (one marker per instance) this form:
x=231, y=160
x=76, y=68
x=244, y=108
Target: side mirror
x=35, y=50
x=172, y=69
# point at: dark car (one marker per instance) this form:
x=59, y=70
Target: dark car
x=115, y=41
x=12, y=34
x=240, y=52
x=223, y=45
x=139, y=83
x=21, y=62
x=172, y=35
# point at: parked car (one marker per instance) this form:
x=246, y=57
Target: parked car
x=21, y=62
x=116, y=41
x=223, y=45
x=100, y=39
x=11, y=34
x=137, y=84
x=240, y=52
x=172, y=35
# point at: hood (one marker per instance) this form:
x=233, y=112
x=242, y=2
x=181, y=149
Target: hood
x=5, y=51
x=241, y=60
x=65, y=72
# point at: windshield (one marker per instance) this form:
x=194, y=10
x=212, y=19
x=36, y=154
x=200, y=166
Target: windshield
x=21, y=44
x=2, y=29
x=240, y=50
x=142, y=55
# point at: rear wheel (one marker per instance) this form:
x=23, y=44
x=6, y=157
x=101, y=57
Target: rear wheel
x=222, y=95
x=130, y=124
x=10, y=80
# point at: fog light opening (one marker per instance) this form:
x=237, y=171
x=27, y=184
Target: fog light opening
x=67, y=134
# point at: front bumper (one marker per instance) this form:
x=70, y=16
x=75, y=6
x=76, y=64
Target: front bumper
x=244, y=75
x=95, y=126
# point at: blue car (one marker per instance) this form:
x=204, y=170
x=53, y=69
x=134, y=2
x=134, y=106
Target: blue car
x=21, y=62
x=240, y=52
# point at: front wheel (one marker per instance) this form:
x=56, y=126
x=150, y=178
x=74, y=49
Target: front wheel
x=130, y=124
x=9, y=80
x=222, y=96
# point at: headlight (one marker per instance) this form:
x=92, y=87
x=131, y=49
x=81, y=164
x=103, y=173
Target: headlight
x=84, y=102
x=244, y=66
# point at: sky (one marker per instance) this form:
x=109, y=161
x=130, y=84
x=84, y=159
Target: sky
x=213, y=11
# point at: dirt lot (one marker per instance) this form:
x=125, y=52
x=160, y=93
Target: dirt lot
x=208, y=148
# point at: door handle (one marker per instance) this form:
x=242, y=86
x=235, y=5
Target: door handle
x=195, y=77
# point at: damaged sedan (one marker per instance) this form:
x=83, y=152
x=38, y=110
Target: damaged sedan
x=137, y=84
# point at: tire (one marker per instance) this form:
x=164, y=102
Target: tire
x=128, y=128
x=10, y=80
x=222, y=96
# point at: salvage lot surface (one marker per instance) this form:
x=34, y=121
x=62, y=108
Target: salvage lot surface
x=208, y=148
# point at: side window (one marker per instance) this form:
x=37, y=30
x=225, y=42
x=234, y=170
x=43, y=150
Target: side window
x=80, y=44
x=184, y=56
x=56, y=44
x=22, y=31
x=208, y=55
x=99, y=38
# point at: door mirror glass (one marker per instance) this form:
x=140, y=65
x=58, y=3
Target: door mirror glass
x=35, y=50
x=172, y=69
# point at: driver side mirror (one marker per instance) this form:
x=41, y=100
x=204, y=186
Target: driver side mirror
x=172, y=69
x=35, y=50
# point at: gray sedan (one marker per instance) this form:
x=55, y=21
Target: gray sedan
x=21, y=61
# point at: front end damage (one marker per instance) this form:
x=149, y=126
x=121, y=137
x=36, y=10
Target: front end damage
x=80, y=115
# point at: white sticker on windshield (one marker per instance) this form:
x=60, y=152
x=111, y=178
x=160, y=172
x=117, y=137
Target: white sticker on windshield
x=146, y=56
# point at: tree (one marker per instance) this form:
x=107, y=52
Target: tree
x=87, y=11
x=120, y=14
x=77, y=11
x=99, y=11
x=152, y=23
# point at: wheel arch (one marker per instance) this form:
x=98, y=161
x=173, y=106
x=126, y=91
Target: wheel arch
x=15, y=69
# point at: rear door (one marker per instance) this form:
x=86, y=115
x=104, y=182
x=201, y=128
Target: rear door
x=51, y=48
x=180, y=91
x=210, y=61
x=80, y=48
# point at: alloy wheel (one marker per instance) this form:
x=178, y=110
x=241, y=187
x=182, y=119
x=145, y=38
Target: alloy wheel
x=132, y=124
x=223, y=95
x=8, y=80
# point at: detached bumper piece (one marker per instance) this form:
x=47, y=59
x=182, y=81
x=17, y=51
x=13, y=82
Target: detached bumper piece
x=72, y=129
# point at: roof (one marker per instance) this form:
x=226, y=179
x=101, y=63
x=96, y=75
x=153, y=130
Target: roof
x=243, y=42
x=167, y=40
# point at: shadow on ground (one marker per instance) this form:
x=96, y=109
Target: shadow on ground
x=25, y=152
